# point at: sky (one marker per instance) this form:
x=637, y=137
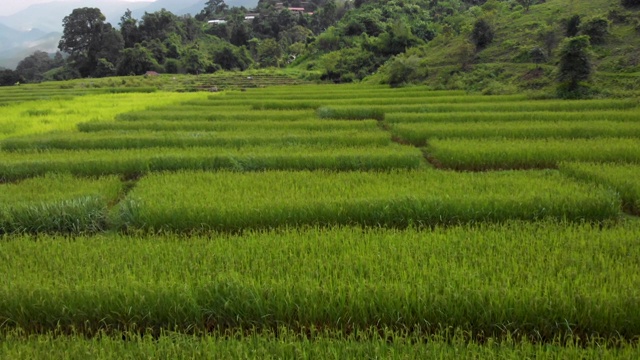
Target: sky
x=9, y=7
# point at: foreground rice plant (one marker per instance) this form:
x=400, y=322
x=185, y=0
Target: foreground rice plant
x=538, y=281
x=197, y=201
x=284, y=344
x=491, y=154
x=57, y=203
x=134, y=162
x=625, y=179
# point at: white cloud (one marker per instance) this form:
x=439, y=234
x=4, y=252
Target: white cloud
x=8, y=7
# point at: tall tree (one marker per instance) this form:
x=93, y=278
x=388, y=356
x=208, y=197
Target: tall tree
x=129, y=29
x=87, y=38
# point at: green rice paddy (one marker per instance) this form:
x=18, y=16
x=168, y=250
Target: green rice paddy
x=317, y=221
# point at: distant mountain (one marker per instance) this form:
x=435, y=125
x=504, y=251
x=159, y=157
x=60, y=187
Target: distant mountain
x=10, y=56
x=182, y=7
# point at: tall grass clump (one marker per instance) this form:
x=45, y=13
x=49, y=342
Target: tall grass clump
x=625, y=179
x=57, y=203
x=197, y=201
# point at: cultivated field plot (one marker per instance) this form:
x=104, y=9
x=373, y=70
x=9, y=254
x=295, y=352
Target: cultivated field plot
x=625, y=179
x=340, y=221
x=196, y=201
x=57, y=203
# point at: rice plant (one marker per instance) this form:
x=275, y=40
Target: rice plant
x=491, y=154
x=201, y=201
x=57, y=203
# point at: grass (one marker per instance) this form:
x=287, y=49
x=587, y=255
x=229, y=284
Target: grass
x=202, y=201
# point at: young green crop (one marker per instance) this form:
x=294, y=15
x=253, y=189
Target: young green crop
x=200, y=201
x=42, y=116
x=187, y=113
x=625, y=179
x=487, y=154
x=231, y=139
x=286, y=344
x=419, y=134
x=133, y=162
x=228, y=125
x=57, y=203
x=632, y=115
x=541, y=281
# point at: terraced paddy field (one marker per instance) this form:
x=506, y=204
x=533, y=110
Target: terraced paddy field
x=319, y=221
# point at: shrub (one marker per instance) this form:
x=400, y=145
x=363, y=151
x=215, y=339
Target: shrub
x=482, y=34
x=630, y=3
x=597, y=28
x=401, y=70
x=574, y=67
x=573, y=26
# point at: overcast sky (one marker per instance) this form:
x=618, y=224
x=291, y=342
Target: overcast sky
x=8, y=7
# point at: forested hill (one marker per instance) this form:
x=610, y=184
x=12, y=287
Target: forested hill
x=489, y=45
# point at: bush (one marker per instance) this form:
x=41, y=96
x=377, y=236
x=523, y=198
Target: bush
x=573, y=26
x=482, y=34
x=574, y=67
x=402, y=70
x=630, y=3
x=597, y=28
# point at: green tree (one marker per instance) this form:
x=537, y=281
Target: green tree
x=597, y=28
x=195, y=62
x=159, y=25
x=212, y=8
x=574, y=66
x=9, y=77
x=269, y=53
x=33, y=67
x=136, y=61
x=482, y=34
x=87, y=38
x=526, y=4
x=129, y=29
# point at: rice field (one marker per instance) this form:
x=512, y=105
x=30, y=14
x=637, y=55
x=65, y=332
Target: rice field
x=317, y=221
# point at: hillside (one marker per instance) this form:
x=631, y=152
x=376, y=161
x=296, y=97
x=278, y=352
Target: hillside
x=451, y=61
x=489, y=46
